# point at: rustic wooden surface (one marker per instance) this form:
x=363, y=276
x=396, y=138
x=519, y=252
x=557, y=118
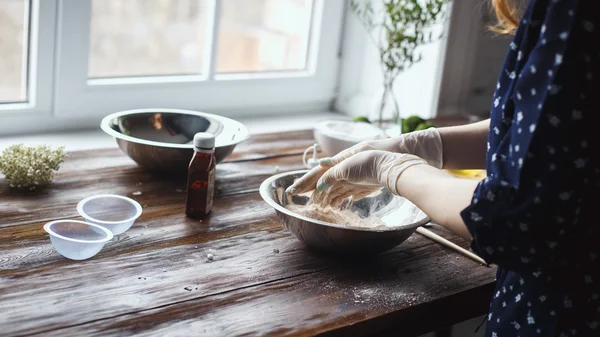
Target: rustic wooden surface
x=155, y=280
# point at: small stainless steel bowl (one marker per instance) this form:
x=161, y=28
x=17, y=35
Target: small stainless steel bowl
x=161, y=139
x=400, y=216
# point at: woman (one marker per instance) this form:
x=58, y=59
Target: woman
x=533, y=214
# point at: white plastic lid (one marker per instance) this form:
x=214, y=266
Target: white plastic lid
x=204, y=140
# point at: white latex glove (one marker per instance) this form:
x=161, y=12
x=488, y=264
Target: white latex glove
x=361, y=175
x=426, y=144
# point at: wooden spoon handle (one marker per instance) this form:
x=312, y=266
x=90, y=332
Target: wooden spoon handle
x=431, y=235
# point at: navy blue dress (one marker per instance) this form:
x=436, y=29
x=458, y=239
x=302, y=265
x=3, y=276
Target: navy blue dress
x=537, y=213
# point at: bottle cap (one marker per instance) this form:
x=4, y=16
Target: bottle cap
x=204, y=140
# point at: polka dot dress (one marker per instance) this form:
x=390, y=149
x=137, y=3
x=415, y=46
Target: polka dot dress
x=537, y=213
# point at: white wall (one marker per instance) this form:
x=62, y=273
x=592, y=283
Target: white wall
x=473, y=60
x=457, y=75
x=361, y=80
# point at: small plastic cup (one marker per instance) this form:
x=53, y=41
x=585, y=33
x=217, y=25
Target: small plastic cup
x=77, y=240
x=114, y=212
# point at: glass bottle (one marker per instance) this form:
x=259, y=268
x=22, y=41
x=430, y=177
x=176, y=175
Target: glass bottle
x=201, y=177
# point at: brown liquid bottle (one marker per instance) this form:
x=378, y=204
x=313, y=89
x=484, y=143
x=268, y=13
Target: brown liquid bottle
x=201, y=177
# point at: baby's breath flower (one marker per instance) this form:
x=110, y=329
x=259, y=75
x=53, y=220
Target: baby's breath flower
x=30, y=167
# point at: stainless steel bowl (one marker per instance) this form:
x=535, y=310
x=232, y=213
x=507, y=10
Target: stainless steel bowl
x=400, y=216
x=161, y=139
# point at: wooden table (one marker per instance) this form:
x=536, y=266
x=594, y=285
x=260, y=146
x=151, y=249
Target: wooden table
x=155, y=279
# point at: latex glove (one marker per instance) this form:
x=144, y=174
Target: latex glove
x=309, y=180
x=361, y=175
x=426, y=144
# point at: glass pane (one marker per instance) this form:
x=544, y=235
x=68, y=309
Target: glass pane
x=147, y=37
x=13, y=50
x=263, y=35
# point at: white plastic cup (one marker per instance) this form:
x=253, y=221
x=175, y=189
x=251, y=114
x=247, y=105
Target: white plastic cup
x=114, y=212
x=77, y=240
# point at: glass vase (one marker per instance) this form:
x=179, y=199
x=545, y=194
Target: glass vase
x=385, y=112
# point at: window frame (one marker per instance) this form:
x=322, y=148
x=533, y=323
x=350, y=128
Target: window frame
x=39, y=57
x=207, y=92
x=63, y=96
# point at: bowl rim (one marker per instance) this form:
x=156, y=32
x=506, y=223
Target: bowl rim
x=138, y=209
x=104, y=125
x=48, y=229
x=264, y=193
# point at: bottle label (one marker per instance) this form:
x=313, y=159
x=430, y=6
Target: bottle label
x=210, y=189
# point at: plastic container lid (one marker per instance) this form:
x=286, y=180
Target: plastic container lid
x=204, y=140
x=114, y=212
x=77, y=240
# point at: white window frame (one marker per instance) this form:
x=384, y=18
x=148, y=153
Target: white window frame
x=40, y=61
x=63, y=97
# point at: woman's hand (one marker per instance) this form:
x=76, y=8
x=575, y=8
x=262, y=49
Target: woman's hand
x=426, y=144
x=362, y=174
x=309, y=180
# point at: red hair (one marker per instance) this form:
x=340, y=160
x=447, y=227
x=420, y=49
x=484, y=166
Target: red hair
x=507, y=15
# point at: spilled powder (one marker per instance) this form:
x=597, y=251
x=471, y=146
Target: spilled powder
x=335, y=216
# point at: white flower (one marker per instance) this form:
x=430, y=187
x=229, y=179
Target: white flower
x=558, y=59
x=565, y=196
x=580, y=163
x=519, y=116
x=554, y=120
x=29, y=167
x=568, y=303
x=476, y=217
x=564, y=35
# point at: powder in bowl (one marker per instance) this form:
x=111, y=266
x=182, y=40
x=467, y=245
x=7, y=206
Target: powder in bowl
x=340, y=217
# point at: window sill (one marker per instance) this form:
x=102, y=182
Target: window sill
x=95, y=139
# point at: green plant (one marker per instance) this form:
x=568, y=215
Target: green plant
x=30, y=167
x=398, y=28
x=415, y=123
x=361, y=119
x=410, y=124
x=425, y=125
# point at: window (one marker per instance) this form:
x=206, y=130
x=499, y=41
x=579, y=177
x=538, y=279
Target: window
x=14, y=24
x=71, y=62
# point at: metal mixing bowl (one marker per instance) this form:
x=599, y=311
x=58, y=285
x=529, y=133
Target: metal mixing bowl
x=161, y=139
x=400, y=216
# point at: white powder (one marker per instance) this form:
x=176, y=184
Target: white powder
x=339, y=217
